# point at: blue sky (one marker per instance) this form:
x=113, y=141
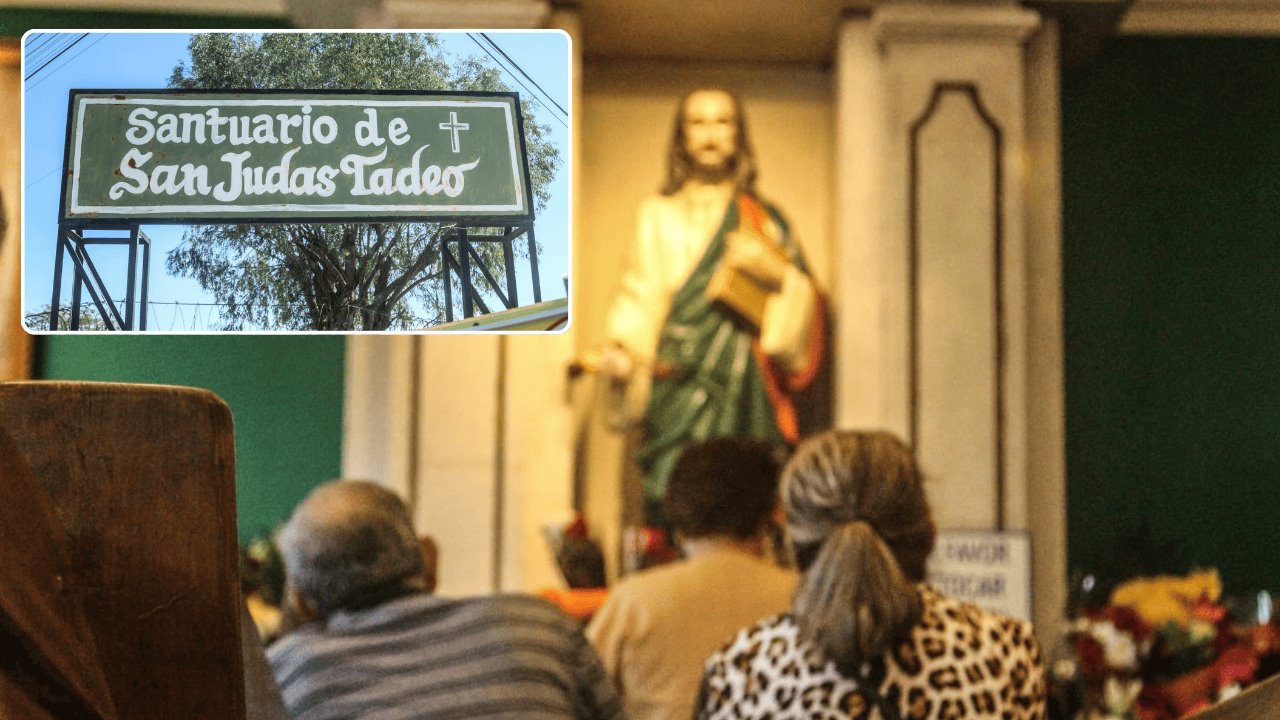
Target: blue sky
x=145, y=60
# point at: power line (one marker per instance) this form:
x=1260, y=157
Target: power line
x=45, y=39
x=51, y=53
x=55, y=57
x=49, y=45
x=502, y=68
x=42, y=177
x=179, y=318
x=66, y=62
x=522, y=72
x=513, y=64
x=513, y=77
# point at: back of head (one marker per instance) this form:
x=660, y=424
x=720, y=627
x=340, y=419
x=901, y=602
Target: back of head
x=724, y=487
x=861, y=530
x=582, y=563
x=350, y=545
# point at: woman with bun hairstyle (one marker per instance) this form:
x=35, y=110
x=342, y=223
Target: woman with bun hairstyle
x=865, y=637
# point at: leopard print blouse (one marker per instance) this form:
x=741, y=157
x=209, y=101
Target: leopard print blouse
x=959, y=662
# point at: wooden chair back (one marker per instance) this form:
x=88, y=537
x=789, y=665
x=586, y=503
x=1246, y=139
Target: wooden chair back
x=141, y=481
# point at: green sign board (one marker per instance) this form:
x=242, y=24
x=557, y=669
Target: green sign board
x=156, y=156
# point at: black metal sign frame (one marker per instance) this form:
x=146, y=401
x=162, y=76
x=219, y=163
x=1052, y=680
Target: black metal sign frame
x=459, y=266
x=73, y=243
x=161, y=219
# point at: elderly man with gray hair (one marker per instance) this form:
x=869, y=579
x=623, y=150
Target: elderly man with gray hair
x=374, y=644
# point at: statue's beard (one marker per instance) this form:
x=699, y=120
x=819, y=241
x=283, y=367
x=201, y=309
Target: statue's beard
x=713, y=173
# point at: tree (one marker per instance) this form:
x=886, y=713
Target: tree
x=349, y=276
x=39, y=319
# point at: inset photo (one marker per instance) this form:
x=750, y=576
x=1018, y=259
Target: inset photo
x=279, y=181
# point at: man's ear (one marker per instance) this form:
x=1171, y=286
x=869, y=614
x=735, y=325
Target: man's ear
x=297, y=610
x=778, y=516
x=430, y=562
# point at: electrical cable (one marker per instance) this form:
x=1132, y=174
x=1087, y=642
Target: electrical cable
x=502, y=67
x=55, y=57
x=51, y=45
x=522, y=72
x=65, y=62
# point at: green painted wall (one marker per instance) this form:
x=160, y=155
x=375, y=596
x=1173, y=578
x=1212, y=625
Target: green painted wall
x=1171, y=281
x=285, y=395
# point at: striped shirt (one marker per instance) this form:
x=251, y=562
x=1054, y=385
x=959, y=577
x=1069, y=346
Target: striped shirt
x=420, y=656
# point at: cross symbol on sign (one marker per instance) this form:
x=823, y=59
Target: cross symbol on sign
x=454, y=126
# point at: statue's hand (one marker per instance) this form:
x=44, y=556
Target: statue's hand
x=748, y=253
x=622, y=390
x=616, y=364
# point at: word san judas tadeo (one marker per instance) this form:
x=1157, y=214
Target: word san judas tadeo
x=276, y=156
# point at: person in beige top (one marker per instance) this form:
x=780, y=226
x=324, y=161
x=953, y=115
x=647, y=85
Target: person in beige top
x=658, y=627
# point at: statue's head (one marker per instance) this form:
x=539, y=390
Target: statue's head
x=710, y=143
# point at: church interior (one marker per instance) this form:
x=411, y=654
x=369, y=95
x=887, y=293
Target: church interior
x=1045, y=232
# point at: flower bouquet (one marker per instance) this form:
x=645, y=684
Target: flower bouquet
x=1164, y=648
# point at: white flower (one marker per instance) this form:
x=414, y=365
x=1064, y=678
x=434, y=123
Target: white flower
x=1118, y=695
x=1118, y=648
x=259, y=550
x=1201, y=632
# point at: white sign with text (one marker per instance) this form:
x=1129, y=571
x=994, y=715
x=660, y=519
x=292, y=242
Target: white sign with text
x=987, y=568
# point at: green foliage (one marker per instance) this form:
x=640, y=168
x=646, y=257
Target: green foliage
x=89, y=319
x=352, y=276
x=262, y=568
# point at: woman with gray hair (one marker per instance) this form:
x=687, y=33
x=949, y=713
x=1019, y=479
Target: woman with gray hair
x=865, y=637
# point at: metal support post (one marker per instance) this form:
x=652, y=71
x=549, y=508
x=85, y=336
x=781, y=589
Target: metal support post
x=509, y=260
x=533, y=266
x=146, y=274
x=464, y=269
x=78, y=280
x=132, y=282
x=448, y=279
x=57, y=277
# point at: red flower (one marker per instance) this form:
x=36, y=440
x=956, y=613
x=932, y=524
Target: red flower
x=1153, y=704
x=1093, y=663
x=1265, y=639
x=1192, y=710
x=1236, y=665
x=1208, y=611
x=576, y=530
x=1126, y=619
x=1191, y=691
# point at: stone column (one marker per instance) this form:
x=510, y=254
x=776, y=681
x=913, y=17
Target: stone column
x=15, y=344
x=949, y=301
x=473, y=429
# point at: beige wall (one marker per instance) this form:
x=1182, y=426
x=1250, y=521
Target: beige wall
x=626, y=113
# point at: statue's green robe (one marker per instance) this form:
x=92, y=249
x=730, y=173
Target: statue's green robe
x=711, y=380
